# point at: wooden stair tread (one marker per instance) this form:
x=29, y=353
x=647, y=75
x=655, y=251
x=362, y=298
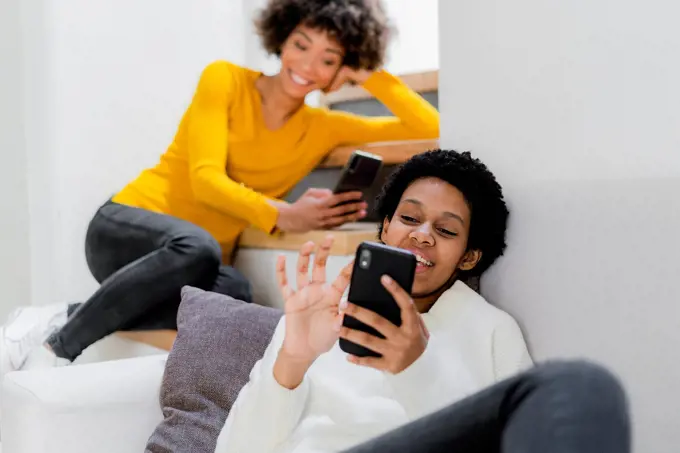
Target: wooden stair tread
x=392, y=153
x=347, y=238
x=161, y=339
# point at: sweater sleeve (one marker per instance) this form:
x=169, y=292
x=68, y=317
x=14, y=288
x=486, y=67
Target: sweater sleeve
x=432, y=382
x=209, y=150
x=265, y=413
x=414, y=117
x=510, y=354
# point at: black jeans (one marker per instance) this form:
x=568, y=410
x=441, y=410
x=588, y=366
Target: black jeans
x=565, y=407
x=142, y=260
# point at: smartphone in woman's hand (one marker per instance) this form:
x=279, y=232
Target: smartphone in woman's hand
x=359, y=173
x=373, y=260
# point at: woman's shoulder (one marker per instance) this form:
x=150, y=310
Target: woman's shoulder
x=473, y=306
x=221, y=72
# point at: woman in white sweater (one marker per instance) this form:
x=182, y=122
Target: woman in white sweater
x=307, y=396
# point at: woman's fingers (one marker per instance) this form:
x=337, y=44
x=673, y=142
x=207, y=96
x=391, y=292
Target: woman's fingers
x=341, y=282
x=338, y=221
x=372, y=319
x=344, y=214
x=345, y=210
x=338, y=81
x=409, y=314
x=281, y=278
x=377, y=363
x=320, y=260
x=303, y=264
x=364, y=339
x=343, y=197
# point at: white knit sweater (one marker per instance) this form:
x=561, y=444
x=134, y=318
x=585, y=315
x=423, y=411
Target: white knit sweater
x=339, y=404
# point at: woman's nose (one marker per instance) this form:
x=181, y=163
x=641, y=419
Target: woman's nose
x=307, y=63
x=423, y=234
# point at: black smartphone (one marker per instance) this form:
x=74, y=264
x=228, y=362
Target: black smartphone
x=359, y=173
x=373, y=260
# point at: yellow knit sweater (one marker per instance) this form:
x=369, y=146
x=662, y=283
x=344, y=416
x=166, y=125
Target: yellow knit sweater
x=224, y=164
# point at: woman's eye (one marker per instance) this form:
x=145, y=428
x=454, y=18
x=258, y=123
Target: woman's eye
x=329, y=63
x=300, y=46
x=406, y=218
x=447, y=232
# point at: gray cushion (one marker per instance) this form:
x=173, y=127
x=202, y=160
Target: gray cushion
x=219, y=339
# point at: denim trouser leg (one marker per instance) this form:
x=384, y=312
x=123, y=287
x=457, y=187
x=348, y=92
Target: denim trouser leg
x=563, y=407
x=142, y=260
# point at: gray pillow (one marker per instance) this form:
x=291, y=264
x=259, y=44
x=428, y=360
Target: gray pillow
x=219, y=339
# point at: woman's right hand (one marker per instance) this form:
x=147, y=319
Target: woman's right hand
x=320, y=209
x=313, y=318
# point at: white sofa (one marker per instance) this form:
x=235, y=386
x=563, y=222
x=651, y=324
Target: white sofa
x=106, y=407
x=108, y=404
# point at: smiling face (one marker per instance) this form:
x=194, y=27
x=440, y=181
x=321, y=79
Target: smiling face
x=432, y=220
x=310, y=59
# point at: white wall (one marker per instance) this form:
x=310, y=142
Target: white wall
x=14, y=240
x=574, y=105
x=107, y=85
x=415, y=47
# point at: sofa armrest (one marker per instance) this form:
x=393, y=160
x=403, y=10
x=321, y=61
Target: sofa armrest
x=109, y=407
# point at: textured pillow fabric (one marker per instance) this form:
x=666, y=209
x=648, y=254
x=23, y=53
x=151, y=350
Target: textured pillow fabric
x=219, y=340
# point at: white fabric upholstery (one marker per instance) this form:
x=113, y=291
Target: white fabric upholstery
x=109, y=407
x=259, y=264
x=112, y=406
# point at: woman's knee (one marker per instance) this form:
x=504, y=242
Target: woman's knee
x=583, y=379
x=233, y=283
x=199, y=249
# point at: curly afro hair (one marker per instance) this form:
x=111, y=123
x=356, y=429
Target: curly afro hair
x=361, y=27
x=484, y=196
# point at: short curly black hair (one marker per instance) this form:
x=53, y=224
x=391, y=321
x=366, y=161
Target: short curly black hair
x=484, y=196
x=361, y=27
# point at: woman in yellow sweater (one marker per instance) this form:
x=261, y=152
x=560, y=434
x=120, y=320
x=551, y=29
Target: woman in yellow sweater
x=245, y=140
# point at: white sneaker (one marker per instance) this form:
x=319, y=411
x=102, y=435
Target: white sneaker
x=41, y=358
x=26, y=328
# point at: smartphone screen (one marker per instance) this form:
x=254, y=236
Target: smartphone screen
x=373, y=260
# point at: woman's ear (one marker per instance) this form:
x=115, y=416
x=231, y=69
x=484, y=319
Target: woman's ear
x=470, y=260
x=383, y=233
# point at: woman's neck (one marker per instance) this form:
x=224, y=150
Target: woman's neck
x=277, y=105
x=425, y=302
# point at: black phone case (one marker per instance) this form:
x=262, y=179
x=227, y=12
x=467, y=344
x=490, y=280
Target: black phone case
x=367, y=291
x=358, y=174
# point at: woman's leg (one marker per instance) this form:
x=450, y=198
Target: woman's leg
x=229, y=282
x=142, y=260
x=565, y=407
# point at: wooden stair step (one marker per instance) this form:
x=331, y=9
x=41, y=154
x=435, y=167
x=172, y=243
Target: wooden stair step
x=347, y=238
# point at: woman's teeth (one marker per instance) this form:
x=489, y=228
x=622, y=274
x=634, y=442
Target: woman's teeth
x=423, y=261
x=299, y=80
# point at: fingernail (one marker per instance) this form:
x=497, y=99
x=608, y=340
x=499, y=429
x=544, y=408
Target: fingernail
x=343, y=305
x=362, y=213
x=386, y=279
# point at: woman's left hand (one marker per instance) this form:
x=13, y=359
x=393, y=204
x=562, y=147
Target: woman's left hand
x=347, y=74
x=401, y=346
